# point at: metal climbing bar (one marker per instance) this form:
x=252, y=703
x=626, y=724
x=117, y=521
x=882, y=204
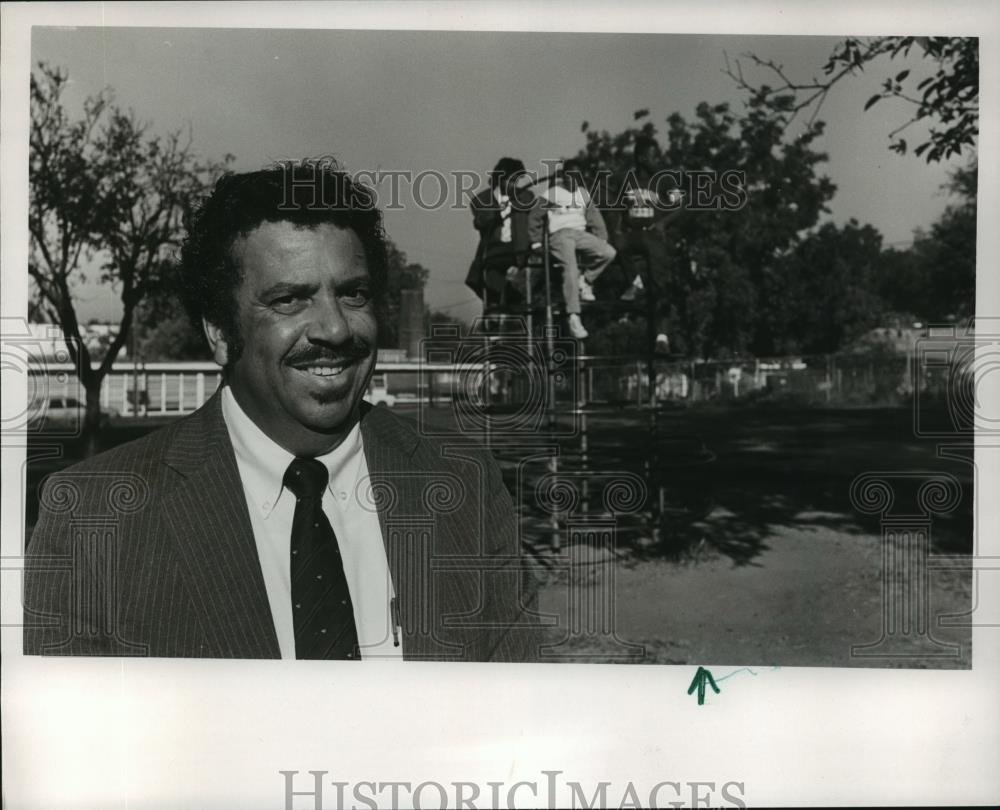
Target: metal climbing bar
x=582, y=408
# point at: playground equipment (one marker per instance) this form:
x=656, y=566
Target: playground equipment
x=532, y=369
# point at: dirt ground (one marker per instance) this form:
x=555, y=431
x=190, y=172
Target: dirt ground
x=780, y=568
x=807, y=600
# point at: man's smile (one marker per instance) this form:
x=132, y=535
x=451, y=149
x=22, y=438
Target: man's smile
x=321, y=366
x=324, y=371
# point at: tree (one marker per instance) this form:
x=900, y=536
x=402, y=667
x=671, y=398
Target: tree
x=721, y=259
x=102, y=187
x=163, y=331
x=936, y=278
x=948, y=99
x=402, y=275
x=823, y=294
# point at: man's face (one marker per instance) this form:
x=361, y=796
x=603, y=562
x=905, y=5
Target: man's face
x=307, y=319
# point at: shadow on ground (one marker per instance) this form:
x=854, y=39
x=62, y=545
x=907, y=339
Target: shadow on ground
x=731, y=476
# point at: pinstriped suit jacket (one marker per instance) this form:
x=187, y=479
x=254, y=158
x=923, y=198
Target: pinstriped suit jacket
x=148, y=549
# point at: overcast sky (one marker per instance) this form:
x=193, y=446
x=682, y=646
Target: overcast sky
x=447, y=101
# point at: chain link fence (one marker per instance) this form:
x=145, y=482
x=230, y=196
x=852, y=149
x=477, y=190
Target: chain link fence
x=833, y=380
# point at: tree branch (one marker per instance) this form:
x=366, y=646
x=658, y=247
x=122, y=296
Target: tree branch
x=947, y=97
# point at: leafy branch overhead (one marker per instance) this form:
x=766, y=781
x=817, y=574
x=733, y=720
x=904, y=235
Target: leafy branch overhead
x=947, y=99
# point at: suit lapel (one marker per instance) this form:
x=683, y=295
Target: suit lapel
x=407, y=531
x=389, y=446
x=413, y=534
x=206, y=512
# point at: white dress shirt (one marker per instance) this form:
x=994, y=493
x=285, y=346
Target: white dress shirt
x=262, y=464
x=504, y=202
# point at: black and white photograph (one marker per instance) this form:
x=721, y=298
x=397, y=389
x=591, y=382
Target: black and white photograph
x=480, y=351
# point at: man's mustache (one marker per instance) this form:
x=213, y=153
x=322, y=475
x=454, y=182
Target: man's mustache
x=357, y=349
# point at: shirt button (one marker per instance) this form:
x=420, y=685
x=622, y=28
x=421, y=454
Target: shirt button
x=267, y=504
x=343, y=496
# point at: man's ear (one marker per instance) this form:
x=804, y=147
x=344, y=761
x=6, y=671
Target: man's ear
x=217, y=341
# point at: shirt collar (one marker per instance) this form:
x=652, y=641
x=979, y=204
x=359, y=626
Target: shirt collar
x=263, y=462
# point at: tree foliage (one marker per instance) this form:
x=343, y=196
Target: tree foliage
x=948, y=99
x=823, y=294
x=721, y=259
x=403, y=275
x=164, y=332
x=935, y=279
x=772, y=277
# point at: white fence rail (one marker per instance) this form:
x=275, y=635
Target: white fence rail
x=167, y=389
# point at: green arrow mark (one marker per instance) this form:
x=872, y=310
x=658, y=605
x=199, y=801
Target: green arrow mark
x=700, y=677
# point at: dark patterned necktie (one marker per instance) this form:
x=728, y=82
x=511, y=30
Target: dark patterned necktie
x=321, y=601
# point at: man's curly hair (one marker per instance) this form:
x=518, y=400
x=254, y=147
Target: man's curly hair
x=308, y=193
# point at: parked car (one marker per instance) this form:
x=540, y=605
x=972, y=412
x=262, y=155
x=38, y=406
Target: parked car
x=378, y=391
x=64, y=414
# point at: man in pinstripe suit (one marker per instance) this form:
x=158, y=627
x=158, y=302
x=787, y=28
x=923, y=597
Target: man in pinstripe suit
x=184, y=542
